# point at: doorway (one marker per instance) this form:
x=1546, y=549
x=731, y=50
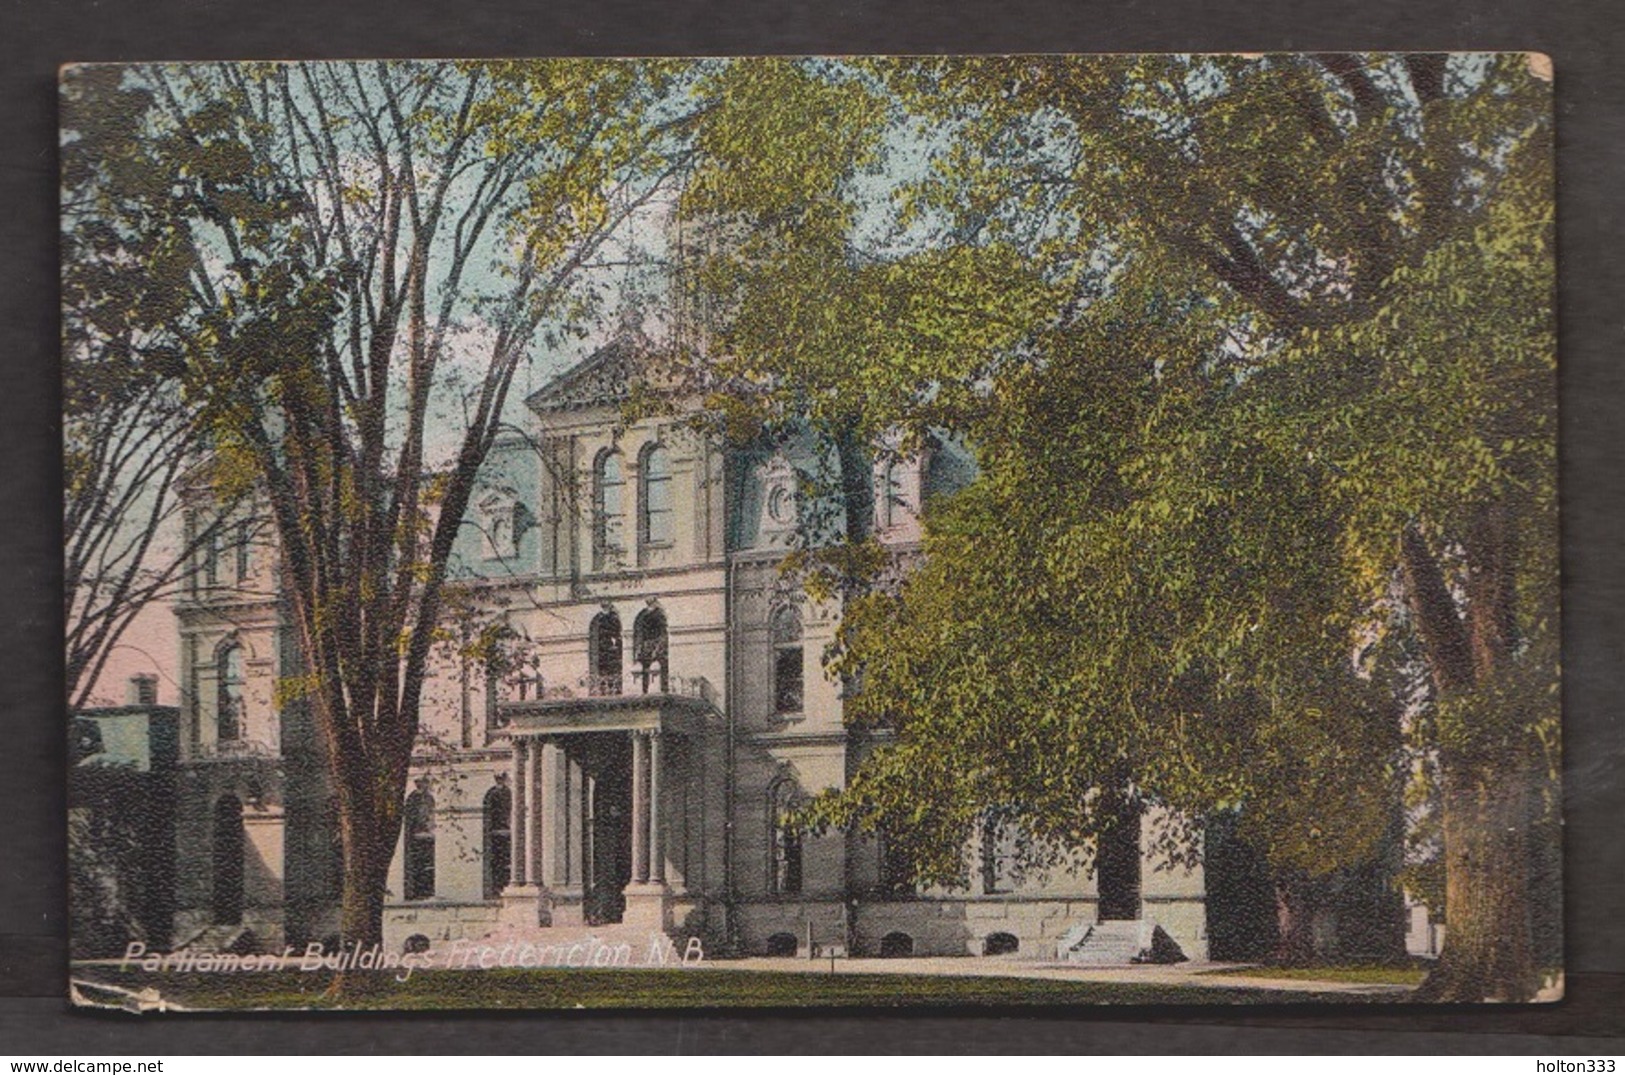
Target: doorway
x=1117, y=864
x=226, y=903
x=607, y=854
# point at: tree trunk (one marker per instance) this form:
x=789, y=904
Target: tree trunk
x=1487, y=947
x=361, y=909
x=1486, y=769
x=1296, y=904
x=369, y=847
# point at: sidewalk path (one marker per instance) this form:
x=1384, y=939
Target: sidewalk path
x=1190, y=975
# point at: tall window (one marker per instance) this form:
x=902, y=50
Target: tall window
x=891, y=495
x=498, y=839
x=655, y=520
x=211, y=556
x=194, y=573
x=787, y=660
x=604, y=654
x=242, y=551
x=784, y=873
x=997, y=840
x=193, y=653
x=649, y=648
x=609, y=483
x=228, y=714
x=419, y=830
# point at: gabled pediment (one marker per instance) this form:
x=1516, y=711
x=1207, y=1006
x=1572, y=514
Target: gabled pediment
x=602, y=379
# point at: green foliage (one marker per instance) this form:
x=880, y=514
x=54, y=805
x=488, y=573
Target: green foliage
x=348, y=264
x=1222, y=329
x=1133, y=584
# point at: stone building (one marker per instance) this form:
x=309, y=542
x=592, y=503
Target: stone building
x=121, y=806
x=665, y=705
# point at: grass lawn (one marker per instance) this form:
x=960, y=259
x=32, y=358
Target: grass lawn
x=667, y=988
x=1354, y=974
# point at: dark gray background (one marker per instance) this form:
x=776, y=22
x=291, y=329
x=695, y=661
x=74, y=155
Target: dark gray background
x=1584, y=40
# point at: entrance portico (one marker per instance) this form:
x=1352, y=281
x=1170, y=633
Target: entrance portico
x=592, y=781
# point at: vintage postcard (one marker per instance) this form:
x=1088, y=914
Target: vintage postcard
x=811, y=531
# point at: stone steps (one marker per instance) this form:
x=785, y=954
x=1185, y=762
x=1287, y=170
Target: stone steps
x=238, y=940
x=1104, y=944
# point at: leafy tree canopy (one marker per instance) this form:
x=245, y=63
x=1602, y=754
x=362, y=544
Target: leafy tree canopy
x=1268, y=429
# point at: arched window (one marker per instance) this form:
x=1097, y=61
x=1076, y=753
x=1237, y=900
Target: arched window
x=419, y=830
x=649, y=648
x=787, y=660
x=897, y=945
x=498, y=840
x=604, y=655
x=656, y=512
x=228, y=713
x=608, y=485
x=1001, y=944
x=784, y=871
x=226, y=900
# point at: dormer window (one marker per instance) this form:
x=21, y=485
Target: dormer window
x=500, y=536
x=779, y=509
x=781, y=505
x=499, y=523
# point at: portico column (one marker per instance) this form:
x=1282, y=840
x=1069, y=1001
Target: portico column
x=535, y=827
x=640, y=808
x=657, y=851
x=555, y=814
x=518, y=830
x=574, y=820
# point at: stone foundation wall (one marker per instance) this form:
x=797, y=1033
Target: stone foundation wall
x=962, y=927
x=438, y=921
x=759, y=923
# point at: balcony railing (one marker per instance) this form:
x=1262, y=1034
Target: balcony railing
x=233, y=750
x=597, y=686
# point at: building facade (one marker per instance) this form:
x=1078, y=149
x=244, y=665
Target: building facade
x=121, y=804
x=660, y=709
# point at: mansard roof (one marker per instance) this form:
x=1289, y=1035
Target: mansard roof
x=601, y=379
